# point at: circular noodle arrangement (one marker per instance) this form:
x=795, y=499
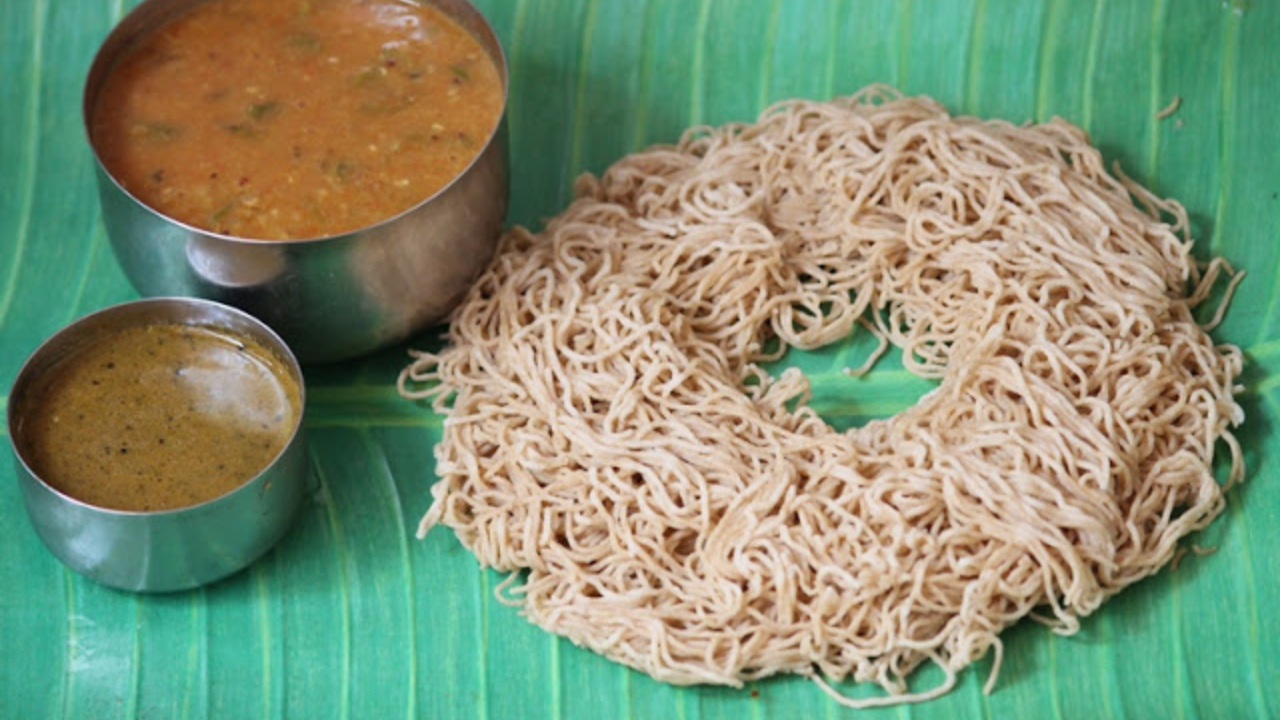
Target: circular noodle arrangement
x=682, y=512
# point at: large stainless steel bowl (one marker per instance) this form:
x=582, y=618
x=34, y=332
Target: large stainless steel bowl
x=332, y=297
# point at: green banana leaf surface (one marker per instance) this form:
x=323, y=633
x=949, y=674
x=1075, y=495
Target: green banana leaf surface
x=351, y=617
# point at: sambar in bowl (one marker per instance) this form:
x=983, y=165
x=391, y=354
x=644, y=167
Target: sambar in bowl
x=335, y=167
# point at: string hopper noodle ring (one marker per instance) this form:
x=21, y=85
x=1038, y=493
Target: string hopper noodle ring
x=679, y=510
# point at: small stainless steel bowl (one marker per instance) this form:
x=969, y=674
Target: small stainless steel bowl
x=330, y=298
x=166, y=550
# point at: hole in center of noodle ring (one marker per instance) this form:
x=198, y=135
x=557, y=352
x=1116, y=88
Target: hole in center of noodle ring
x=849, y=387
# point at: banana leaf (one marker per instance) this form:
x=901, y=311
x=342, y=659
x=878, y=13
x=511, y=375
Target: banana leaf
x=350, y=617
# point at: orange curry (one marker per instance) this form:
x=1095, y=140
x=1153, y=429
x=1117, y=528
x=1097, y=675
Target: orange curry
x=276, y=119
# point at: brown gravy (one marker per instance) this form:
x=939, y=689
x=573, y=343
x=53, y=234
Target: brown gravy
x=159, y=417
